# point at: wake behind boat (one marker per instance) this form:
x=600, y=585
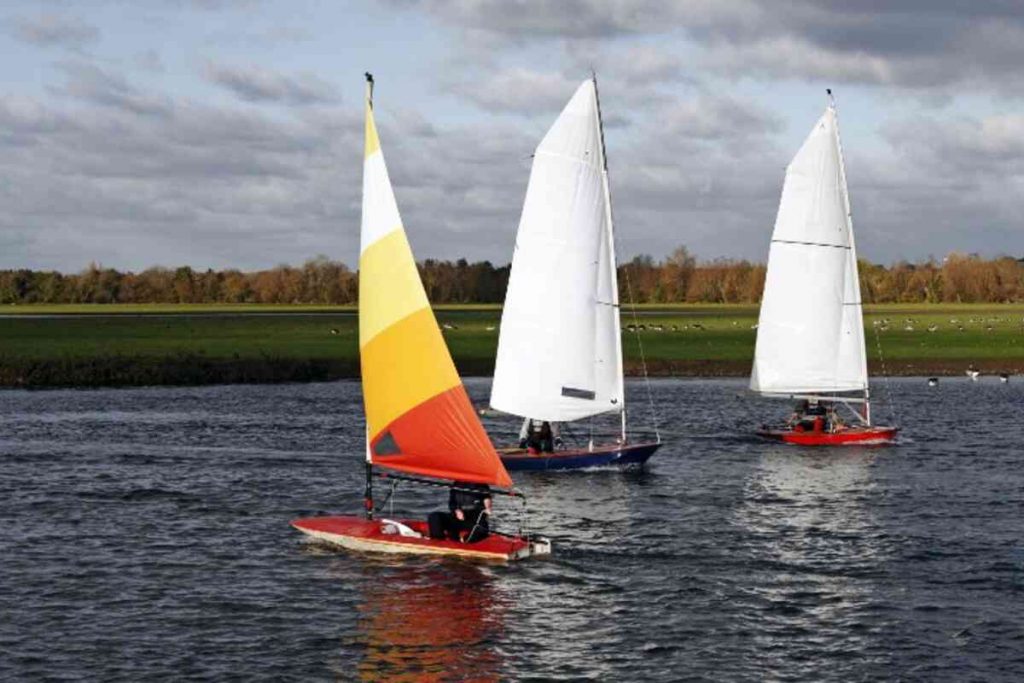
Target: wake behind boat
x=420, y=425
x=810, y=334
x=560, y=347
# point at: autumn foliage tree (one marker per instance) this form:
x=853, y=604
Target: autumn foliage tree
x=679, y=277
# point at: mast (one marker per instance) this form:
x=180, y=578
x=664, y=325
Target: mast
x=853, y=245
x=368, y=490
x=610, y=237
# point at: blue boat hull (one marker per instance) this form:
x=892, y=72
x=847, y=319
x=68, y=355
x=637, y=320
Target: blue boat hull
x=630, y=455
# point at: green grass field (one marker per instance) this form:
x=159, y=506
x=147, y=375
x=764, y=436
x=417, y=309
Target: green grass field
x=692, y=340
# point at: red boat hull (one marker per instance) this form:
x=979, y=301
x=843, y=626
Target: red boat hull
x=853, y=436
x=359, y=533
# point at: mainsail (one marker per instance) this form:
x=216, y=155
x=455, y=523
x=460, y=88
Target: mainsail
x=418, y=415
x=810, y=335
x=559, y=350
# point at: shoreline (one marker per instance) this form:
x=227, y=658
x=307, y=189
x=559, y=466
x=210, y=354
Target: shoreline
x=198, y=370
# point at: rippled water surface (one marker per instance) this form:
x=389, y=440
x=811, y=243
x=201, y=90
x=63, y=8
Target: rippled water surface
x=144, y=534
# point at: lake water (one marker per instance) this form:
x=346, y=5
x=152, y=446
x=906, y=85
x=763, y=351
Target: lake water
x=144, y=535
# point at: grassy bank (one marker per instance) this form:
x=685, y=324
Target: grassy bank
x=127, y=345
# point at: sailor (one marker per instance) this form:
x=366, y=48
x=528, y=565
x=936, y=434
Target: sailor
x=813, y=418
x=835, y=421
x=799, y=410
x=815, y=409
x=540, y=436
x=467, y=519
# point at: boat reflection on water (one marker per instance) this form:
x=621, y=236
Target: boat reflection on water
x=816, y=549
x=798, y=492
x=436, y=622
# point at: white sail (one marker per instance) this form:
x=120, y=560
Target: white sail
x=559, y=355
x=810, y=335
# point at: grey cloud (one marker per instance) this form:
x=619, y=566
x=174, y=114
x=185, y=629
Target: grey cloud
x=949, y=185
x=88, y=82
x=647, y=64
x=542, y=18
x=920, y=44
x=150, y=61
x=518, y=90
x=230, y=187
x=255, y=84
x=992, y=145
x=704, y=172
x=52, y=30
x=717, y=118
x=200, y=184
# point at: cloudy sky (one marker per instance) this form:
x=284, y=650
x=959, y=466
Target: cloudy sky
x=223, y=133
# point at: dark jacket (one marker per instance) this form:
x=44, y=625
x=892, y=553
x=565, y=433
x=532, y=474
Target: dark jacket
x=469, y=498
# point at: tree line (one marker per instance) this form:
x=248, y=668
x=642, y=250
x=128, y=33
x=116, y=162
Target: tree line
x=680, y=277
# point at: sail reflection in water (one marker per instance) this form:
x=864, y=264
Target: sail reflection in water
x=439, y=622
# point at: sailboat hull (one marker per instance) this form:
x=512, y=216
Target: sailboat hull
x=631, y=455
x=855, y=436
x=371, y=535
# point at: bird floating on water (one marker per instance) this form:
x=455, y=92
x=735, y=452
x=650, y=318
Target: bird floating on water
x=933, y=381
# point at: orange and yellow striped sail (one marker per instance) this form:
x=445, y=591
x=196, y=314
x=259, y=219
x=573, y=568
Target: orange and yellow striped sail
x=419, y=417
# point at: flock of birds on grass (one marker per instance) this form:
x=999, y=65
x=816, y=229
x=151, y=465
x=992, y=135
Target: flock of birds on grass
x=661, y=328
x=910, y=324
x=882, y=325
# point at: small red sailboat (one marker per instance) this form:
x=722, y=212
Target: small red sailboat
x=420, y=423
x=859, y=435
x=810, y=334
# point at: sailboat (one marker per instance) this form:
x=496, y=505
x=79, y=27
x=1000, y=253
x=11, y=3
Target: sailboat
x=810, y=334
x=420, y=424
x=559, y=349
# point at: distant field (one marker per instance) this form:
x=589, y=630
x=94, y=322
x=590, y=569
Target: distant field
x=194, y=344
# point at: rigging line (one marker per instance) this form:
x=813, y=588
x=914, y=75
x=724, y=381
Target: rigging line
x=388, y=499
x=885, y=379
x=812, y=244
x=520, y=521
x=643, y=359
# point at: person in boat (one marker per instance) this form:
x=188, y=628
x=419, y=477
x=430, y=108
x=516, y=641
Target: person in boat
x=799, y=410
x=816, y=417
x=835, y=422
x=539, y=436
x=468, y=516
x=810, y=416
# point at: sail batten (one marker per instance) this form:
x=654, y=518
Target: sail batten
x=810, y=337
x=418, y=416
x=560, y=322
